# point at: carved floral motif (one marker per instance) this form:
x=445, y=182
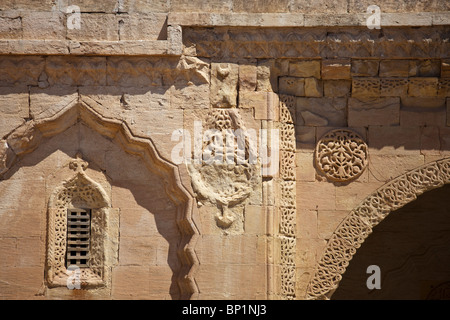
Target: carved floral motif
x=341, y=155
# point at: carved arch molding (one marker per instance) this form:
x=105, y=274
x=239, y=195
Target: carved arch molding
x=358, y=225
x=26, y=138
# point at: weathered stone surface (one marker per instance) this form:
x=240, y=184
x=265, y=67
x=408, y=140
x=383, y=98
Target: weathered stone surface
x=445, y=68
x=423, y=117
x=43, y=25
x=370, y=112
x=394, y=68
x=224, y=81
x=336, y=69
x=425, y=68
x=394, y=140
x=393, y=87
x=292, y=86
x=419, y=87
x=365, y=87
x=247, y=77
x=135, y=26
x=307, y=68
x=364, y=68
x=10, y=27
x=313, y=87
x=321, y=111
x=45, y=103
x=305, y=166
x=95, y=26
x=337, y=88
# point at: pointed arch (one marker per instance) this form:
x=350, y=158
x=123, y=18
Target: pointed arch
x=26, y=138
x=358, y=225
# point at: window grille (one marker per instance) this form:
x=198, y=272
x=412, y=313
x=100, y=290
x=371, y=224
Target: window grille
x=78, y=237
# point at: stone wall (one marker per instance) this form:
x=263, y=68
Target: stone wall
x=121, y=93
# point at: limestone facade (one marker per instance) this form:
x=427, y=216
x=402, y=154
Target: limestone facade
x=342, y=125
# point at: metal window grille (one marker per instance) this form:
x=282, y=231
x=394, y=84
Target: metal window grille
x=78, y=237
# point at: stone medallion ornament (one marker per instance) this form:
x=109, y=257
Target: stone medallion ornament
x=341, y=155
x=226, y=174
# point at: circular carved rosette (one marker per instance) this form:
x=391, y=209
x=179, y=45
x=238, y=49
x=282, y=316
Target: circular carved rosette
x=341, y=155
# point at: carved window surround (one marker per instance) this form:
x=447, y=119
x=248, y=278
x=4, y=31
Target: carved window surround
x=80, y=191
x=26, y=138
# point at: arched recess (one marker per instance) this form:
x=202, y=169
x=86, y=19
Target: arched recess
x=358, y=225
x=26, y=138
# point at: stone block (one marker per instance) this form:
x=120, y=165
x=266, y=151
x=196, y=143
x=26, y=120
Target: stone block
x=393, y=87
x=448, y=111
x=144, y=6
x=444, y=87
x=142, y=26
x=247, y=77
x=348, y=197
x=305, y=137
x=252, y=99
x=305, y=69
x=394, y=140
x=99, y=6
x=419, y=87
x=365, y=87
x=336, y=69
x=292, y=86
x=43, y=25
x=337, y=88
x=425, y=68
x=95, y=26
x=422, y=102
x=255, y=220
x=266, y=80
x=445, y=68
x=137, y=251
x=313, y=87
x=321, y=112
x=27, y=282
x=206, y=6
x=318, y=6
x=373, y=112
x=387, y=166
x=364, y=68
x=309, y=251
x=327, y=222
x=306, y=224
x=423, y=117
x=394, y=68
x=45, y=103
x=224, y=82
x=304, y=163
x=11, y=27
x=316, y=195
x=130, y=282
x=430, y=141
x=14, y=101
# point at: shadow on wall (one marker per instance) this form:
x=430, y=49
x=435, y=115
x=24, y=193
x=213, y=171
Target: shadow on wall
x=149, y=236
x=410, y=247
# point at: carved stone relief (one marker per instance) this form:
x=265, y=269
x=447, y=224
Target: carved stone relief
x=226, y=174
x=79, y=191
x=358, y=225
x=341, y=155
x=287, y=201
